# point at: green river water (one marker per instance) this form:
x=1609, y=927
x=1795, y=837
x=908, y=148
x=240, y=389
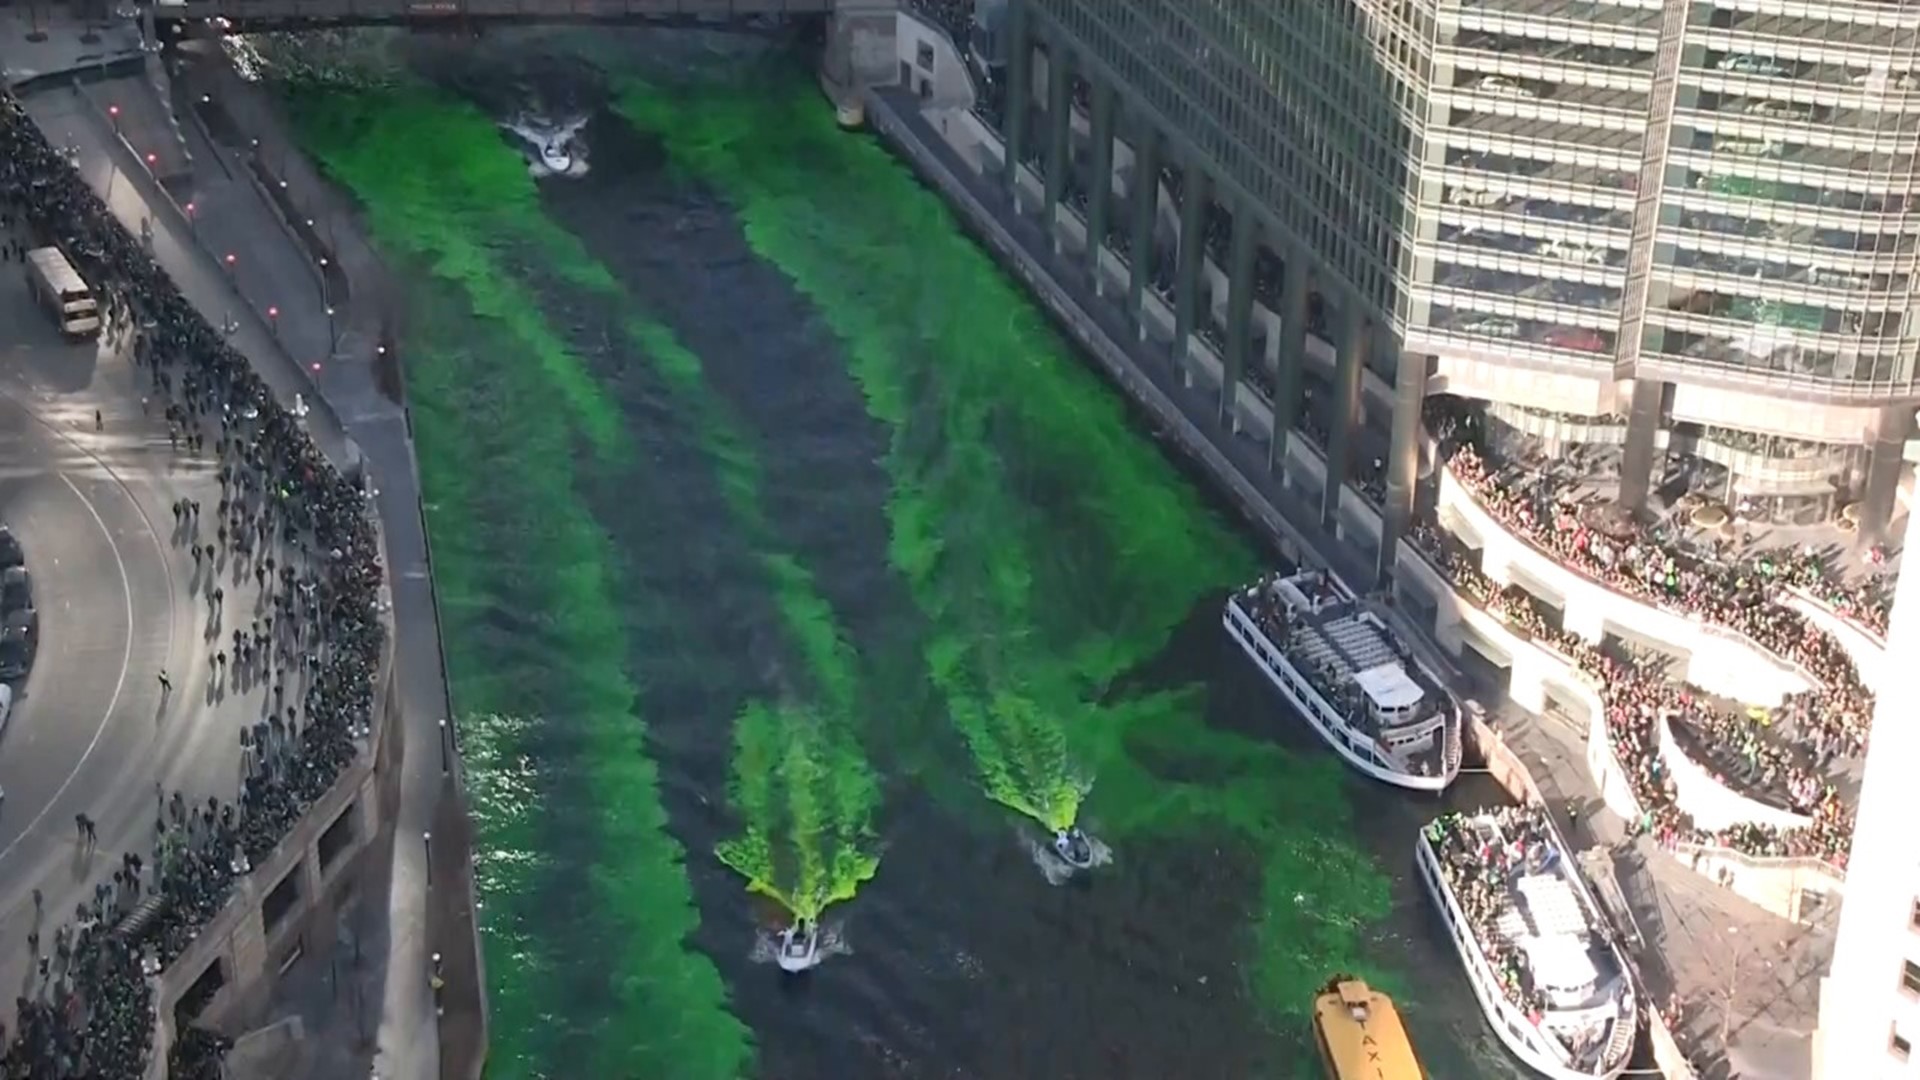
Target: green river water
x=792, y=562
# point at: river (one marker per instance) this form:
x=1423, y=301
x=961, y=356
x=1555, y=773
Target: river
x=784, y=544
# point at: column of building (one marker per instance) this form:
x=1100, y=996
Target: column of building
x=1868, y=1019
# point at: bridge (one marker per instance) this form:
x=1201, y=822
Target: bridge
x=859, y=51
x=257, y=13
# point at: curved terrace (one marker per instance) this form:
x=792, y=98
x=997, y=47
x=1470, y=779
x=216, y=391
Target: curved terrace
x=1783, y=758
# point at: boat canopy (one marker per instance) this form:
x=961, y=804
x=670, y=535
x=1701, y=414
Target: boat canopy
x=1560, y=962
x=1390, y=688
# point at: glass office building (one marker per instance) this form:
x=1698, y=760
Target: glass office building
x=1688, y=217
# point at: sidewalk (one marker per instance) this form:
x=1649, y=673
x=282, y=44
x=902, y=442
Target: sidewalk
x=307, y=239
x=272, y=298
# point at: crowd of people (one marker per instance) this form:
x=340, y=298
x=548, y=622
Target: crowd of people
x=1480, y=868
x=286, y=517
x=1751, y=750
x=1742, y=595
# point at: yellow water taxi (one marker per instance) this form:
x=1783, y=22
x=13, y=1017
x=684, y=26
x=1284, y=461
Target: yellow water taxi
x=1360, y=1034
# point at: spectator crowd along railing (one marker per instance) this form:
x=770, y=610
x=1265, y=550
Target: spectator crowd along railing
x=304, y=530
x=1782, y=756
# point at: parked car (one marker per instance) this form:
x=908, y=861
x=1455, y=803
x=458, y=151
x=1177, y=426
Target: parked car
x=16, y=653
x=10, y=553
x=25, y=621
x=6, y=707
x=16, y=588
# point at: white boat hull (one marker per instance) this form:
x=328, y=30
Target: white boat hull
x=1321, y=716
x=1514, y=1030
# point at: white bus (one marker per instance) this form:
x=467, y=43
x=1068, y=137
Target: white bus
x=61, y=289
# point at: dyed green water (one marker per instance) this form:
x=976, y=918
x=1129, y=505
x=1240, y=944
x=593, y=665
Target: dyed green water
x=784, y=547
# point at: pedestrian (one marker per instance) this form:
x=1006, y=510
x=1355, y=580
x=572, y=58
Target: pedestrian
x=99, y=422
x=166, y=684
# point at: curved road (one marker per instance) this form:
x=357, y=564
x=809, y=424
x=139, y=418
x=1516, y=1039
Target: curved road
x=120, y=599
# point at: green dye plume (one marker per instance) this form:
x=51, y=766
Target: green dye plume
x=512, y=535
x=805, y=793
x=483, y=190
x=801, y=785
x=1029, y=626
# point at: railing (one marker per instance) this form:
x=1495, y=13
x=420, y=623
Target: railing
x=1711, y=628
x=407, y=10
x=1809, y=864
x=1873, y=636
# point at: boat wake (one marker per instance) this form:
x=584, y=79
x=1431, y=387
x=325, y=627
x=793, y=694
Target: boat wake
x=1091, y=855
x=771, y=945
x=552, y=149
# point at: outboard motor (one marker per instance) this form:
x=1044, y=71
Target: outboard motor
x=799, y=947
x=1073, y=848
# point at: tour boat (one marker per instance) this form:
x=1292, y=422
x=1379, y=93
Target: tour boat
x=799, y=947
x=1547, y=970
x=1360, y=1034
x=1072, y=847
x=1353, y=678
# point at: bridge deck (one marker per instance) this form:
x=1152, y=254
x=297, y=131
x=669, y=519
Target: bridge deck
x=366, y=11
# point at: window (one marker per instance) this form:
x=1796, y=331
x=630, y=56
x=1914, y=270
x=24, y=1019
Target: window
x=1913, y=920
x=1897, y=1044
x=1910, y=977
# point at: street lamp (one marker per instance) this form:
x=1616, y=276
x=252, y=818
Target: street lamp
x=426, y=838
x=192, y=221
x=113, y=114
x=273, y=320
x=333, y=337
x=230, y=260
x=445, y=764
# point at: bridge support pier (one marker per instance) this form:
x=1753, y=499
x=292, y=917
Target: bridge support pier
x=861, y=53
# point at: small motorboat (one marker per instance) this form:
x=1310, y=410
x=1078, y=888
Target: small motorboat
x=799, y=946
x=1072, y=847
x=554, y=156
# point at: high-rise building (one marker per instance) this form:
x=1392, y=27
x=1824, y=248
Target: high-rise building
x=1691, y=221
x=1870, y=999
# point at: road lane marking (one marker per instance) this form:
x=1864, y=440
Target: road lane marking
x=120, y=684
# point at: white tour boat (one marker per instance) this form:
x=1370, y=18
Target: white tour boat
x=1351, y=676
x=1548, y=972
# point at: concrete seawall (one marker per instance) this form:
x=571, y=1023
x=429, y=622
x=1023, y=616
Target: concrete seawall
x=1114, y=360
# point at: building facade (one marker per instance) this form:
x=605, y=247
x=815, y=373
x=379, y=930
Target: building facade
x=1870, y=999
x=1691, y=220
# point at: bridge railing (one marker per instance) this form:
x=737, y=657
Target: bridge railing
x=351, y=11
